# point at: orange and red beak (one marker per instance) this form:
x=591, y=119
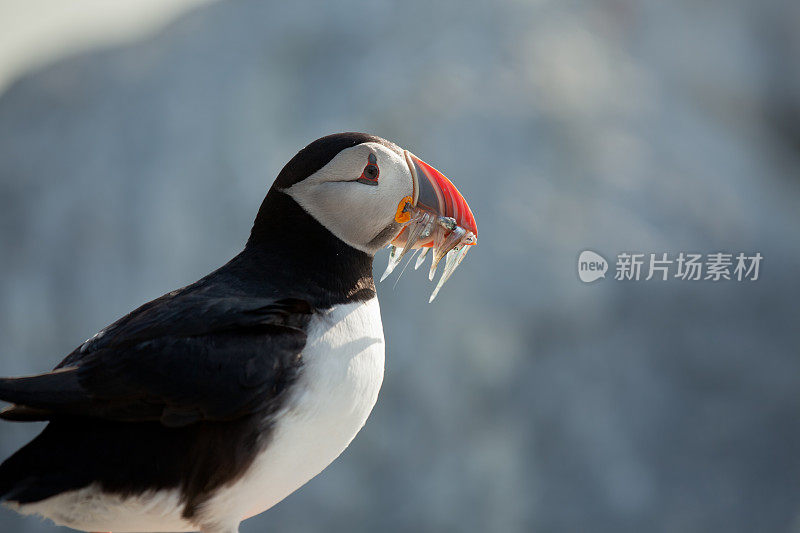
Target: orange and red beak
x=435, y=193
x=435, y=218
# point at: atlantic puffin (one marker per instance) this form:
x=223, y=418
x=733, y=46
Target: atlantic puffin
x=214, y=402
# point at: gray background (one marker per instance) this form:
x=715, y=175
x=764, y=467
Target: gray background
x=522, y=400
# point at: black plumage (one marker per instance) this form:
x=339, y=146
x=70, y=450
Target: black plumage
x=180, y=392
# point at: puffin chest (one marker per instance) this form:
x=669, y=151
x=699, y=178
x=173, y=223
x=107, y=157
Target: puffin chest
x=338, y=386
x=342, y=363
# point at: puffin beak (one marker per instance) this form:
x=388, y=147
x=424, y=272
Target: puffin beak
x=435, y=218
x=437, y=194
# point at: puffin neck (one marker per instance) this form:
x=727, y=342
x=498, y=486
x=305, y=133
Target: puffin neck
x=298, y=251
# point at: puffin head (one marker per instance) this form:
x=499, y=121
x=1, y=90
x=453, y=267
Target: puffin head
x=354, y=184
x=369, y=193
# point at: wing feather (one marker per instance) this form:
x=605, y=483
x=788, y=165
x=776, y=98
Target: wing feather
x=179, y=359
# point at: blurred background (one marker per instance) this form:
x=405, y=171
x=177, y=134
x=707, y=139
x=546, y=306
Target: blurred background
x=137, y=142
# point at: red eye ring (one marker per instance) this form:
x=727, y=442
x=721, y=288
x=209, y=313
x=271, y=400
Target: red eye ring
x=370, y=174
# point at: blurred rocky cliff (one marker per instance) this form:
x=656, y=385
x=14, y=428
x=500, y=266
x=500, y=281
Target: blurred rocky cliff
x=522, y=399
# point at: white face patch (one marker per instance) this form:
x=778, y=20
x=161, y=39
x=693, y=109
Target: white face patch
x=360, y=214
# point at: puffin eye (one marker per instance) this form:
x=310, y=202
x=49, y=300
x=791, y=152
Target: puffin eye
x=371, y=172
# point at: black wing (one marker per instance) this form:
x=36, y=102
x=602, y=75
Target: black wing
x=182, y=358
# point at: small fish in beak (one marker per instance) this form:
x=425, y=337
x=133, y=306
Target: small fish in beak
x=437, y=217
